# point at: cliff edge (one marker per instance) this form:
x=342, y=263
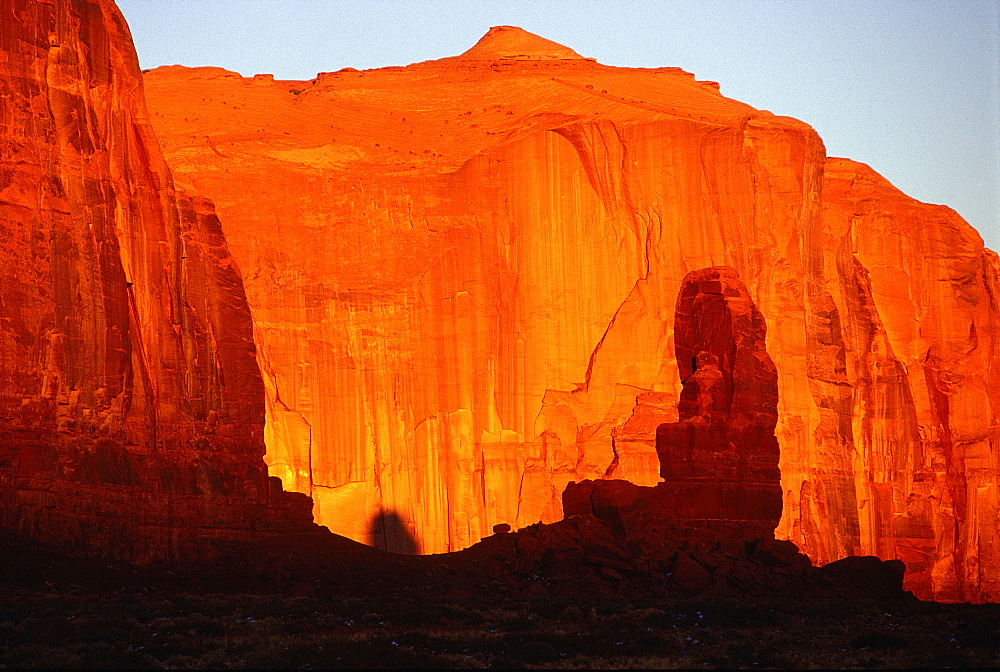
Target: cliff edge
x=131, y=403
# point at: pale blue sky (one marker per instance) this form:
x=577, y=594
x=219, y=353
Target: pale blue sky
x=911, y=88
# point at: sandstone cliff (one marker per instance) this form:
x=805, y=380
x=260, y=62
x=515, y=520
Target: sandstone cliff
x=708, y=528
x=719, y=461
x=462, y=275
x=131, y=404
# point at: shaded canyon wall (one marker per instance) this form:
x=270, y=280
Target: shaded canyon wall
x=131, y=403
x=463, y=273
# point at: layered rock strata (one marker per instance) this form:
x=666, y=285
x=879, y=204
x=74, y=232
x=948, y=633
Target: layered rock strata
x=463, y=272
x=131, y=403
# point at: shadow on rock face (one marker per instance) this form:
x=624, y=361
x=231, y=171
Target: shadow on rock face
x=707, y=530
x=388, y=532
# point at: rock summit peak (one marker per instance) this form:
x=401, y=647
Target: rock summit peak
x=511, y=42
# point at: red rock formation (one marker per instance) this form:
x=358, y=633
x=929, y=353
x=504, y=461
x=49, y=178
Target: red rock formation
x=131, y=404
x=462, y=275
x=447, y=353
x=722, y=453
x=915, y=343
x=719, y=462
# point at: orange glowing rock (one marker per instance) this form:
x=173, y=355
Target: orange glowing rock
x=719, y=462
x=510, y=42
x=708, y=529
x=462, y=275
x=918, y=299
x=131, y=404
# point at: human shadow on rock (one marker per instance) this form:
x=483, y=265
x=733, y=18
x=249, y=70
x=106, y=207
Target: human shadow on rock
x=387, y=531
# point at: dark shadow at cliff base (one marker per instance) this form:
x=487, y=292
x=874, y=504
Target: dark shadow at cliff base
x=387, y=531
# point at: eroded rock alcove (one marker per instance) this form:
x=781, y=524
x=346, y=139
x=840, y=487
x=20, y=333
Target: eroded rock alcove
x=462, y=275
x=448, y=288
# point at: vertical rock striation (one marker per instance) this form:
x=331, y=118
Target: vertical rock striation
x=708, y=528
x=131, y=404
x=918, y=308
x=719, y=462
x=462, y=275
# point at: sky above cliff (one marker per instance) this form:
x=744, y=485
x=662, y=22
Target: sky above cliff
x=911, y=88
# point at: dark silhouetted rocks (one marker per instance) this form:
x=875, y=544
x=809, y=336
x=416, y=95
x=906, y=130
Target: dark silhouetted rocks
x=708, y=528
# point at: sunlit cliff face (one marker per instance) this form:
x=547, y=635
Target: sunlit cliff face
x=463, y=276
